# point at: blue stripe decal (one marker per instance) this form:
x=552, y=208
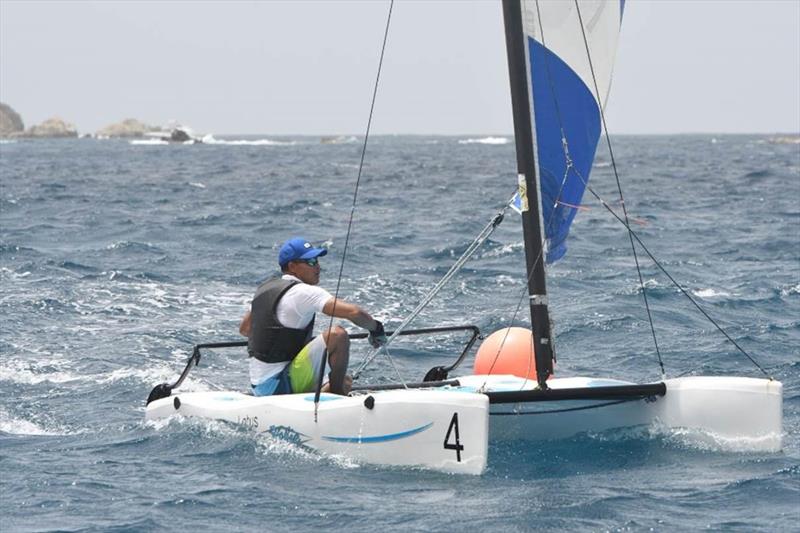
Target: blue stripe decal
x=621, y=9
x=379, y=438
x=324, y=397
x=561, y=99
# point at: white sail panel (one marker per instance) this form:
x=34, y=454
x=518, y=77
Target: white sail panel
x=560, y=32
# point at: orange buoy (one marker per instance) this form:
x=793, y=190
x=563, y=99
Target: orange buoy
x=507, y=351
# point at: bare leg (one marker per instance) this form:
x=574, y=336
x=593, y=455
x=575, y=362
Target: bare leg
x=338, y=344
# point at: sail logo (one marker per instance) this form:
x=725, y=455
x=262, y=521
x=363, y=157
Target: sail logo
x=520, y=201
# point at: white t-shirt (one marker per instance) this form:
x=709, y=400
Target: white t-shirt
x=295, y=310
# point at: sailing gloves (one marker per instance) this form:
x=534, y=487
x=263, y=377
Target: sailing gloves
x=377, y=336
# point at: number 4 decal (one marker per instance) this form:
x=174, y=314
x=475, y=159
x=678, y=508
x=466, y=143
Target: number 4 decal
x=458, y=447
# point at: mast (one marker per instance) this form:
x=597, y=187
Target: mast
x=529, y=190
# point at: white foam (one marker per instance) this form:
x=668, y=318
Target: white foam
x=13, y=274
x=208, y=426
x=145, y=375
x=145, y=142
x=18, y=372
x=649, y=284
x=8, y=141
x=786, y=291
x=197, y=184
x=272, y=445
x=341, y=139
x=209, y=139
x=708, y=441
x=503, y=280
x=691, y=438
x=504, y=250
x=17, y=426
x=485, y=140
x=707, y=294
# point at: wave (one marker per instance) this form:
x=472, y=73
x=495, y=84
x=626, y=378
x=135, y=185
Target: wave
x=691, y=438
x=19, y=426
x=209, y=139
x=146, y=142
x=485, y=140
x=503, y=250
x=794, y=289
x=709, y=441
x=133, y=246
x=340, y=139
x=709, y=293
x=23, y=374
x=277, y=442
x=788, y=139
x=19, y=372
x=13, y=274
x=8, y=141
x=756, y=174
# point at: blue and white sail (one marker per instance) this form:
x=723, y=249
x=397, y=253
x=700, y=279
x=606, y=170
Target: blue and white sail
x=565, y=103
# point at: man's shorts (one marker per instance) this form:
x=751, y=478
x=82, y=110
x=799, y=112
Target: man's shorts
x=300, y=375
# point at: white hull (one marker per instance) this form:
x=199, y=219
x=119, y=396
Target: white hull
x=440, y=430
x=746, y=412
x=418, y=427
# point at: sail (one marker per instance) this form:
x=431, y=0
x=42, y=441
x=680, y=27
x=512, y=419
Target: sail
x=565, y=110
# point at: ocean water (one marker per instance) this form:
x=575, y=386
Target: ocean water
x=115, y=258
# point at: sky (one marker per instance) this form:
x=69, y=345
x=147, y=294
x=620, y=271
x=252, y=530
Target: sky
x=308, y=67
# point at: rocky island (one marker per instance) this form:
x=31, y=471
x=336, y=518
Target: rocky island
x=10, y=121
x=11, y=126
x=127, y=129
x=52, y=128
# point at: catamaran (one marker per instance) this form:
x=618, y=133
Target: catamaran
x=560, y=57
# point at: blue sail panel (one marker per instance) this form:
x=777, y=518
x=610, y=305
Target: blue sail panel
x=570, y=47
x=564, y=109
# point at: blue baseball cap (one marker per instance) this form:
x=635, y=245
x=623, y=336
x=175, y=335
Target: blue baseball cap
x=298, y=248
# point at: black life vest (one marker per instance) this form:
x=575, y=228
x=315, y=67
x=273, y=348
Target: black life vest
x=270, y=341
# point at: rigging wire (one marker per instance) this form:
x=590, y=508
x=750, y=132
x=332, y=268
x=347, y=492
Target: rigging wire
x=471, y=249
x=324, y=361
x=619, y=188
x=632, y=234
x=674, y=282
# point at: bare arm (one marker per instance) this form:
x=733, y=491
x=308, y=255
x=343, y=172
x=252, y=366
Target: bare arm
x=351, y=312
x=244, y=327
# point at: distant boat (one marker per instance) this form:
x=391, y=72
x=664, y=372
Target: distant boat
x=177, y=135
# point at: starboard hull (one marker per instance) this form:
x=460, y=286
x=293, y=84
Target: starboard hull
x=745, y=413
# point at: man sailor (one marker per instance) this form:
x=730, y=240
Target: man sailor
x=284, y=356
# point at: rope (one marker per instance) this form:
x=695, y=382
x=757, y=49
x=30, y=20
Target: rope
x=471, y=249
x=324, y=361
x=619, y=188
x=674, y=282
